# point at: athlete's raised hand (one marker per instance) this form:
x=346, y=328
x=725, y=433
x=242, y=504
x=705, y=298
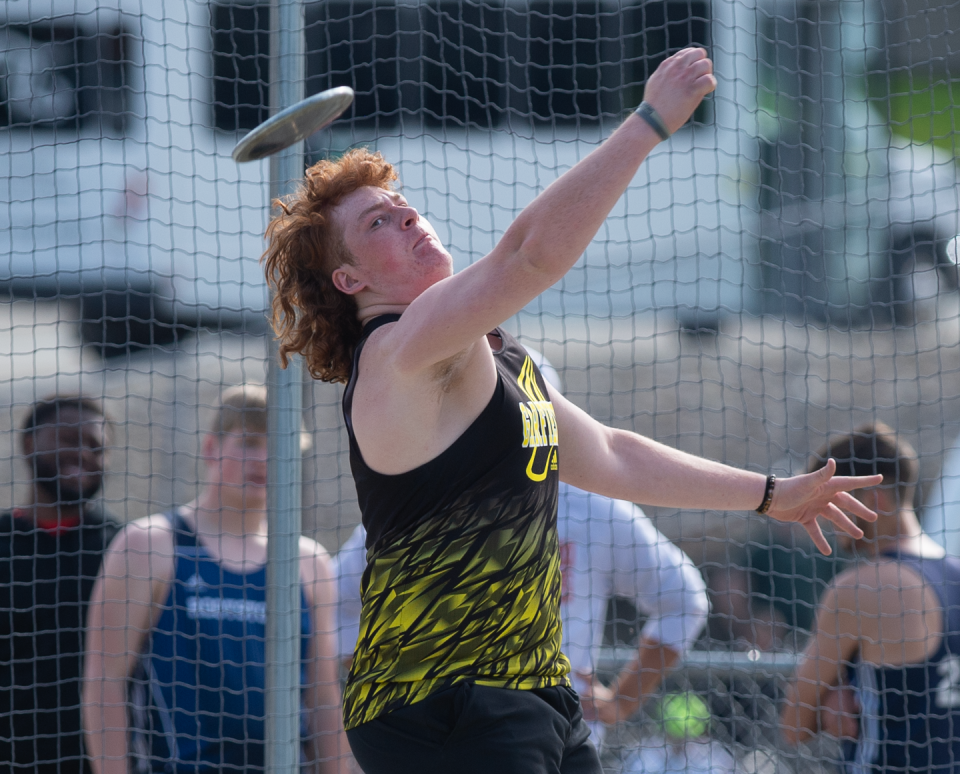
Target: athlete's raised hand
x=801, y=499
x=679, y=84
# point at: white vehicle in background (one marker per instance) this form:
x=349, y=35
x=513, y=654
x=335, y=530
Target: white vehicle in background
x=117, y=118
x=857, y=217
x=117, y=191
x=120, y=190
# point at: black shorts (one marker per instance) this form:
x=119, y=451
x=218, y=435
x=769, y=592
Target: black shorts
x=472, y=729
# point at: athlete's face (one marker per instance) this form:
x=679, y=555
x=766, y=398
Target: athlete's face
x=68, y=456
x=241, y=461
x=396, y=253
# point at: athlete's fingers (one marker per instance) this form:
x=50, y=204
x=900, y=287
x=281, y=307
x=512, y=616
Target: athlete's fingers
x=701, y=67
x=842, y=521
x=852, y=483
x=813, y=529
x=706, y=84
x=798, y=491
x=689, y=54
x=852, y=505
x=702, y=73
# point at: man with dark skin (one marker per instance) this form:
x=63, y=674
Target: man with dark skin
x=51, y=548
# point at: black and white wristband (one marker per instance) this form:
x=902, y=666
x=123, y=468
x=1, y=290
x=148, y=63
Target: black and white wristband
x=648, y=113
x=768, y=494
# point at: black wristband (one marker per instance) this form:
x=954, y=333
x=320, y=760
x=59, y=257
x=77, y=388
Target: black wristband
x=648, y=113
x=767, y=495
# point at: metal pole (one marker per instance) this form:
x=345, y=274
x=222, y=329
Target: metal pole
x=698, y=663
x=285, y=410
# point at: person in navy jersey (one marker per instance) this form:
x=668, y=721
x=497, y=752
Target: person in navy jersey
x=51, y=546
x=175, y=664
x=882, y=671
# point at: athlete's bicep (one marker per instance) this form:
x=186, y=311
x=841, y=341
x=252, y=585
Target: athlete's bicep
x=817, y=671
x=830, y=649
x=586, y=458
x=123, y=605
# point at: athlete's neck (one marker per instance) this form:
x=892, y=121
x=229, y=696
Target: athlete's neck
x=367, y=313
x=902, y=534
x=42, y=509
x=219, y=511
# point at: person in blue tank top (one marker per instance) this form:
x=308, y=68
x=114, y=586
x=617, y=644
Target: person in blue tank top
x=882, y=671
x=175, y=663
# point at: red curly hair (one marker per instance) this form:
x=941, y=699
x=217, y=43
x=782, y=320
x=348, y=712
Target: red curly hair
x=304, y=246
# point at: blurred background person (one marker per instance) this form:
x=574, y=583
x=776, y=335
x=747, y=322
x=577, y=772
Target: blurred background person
x=765, y=597
x=887, y=628
x=177, y=623
x=941, y=511
x=685, y=745
x=608, y=549
x=51, y=547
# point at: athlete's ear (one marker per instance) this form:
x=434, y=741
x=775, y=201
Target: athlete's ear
x=345, y=280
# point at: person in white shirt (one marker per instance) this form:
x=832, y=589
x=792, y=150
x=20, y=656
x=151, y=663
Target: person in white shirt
x=943, y=501
x=608, y=548
x=685, y=746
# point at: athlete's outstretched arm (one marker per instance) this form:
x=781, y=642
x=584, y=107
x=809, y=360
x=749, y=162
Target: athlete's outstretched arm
x=122, y=609
x=551, y=233
x=834, y=643
x=627, y=466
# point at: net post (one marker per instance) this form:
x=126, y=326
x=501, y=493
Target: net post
x=285, y=410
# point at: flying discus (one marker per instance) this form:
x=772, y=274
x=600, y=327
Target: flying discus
x=293, y=124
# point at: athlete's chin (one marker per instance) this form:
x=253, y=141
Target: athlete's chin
x=251, y=494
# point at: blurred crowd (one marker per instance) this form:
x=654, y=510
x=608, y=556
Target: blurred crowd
x=142, y=646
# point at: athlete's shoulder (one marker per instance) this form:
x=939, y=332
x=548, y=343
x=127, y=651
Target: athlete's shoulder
x=148, y=535
x=311, y=549
x=885, y=586
x=143, y=550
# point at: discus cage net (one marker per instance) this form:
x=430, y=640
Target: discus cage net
x=784, y=268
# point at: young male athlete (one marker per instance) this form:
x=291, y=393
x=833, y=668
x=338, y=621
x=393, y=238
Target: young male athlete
x=889, y=628
x=608, y=548
x=51, y=546
x=455, y=451
x=177, y=625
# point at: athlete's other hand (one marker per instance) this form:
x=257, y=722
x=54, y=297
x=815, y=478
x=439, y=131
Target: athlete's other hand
x=679, y=84
x=801, y=499
x=840, y=713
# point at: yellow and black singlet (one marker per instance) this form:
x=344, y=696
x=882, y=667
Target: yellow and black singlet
x=463, y=568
